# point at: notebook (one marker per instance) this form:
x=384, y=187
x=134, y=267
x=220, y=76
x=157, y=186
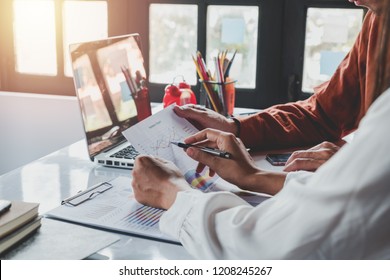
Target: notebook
x=105, y=98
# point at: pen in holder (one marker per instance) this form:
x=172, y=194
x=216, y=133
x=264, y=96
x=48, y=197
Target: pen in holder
x=219, y=97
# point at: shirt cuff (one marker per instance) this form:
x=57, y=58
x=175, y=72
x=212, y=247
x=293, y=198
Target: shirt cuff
x=172, y=220
x=300, y=177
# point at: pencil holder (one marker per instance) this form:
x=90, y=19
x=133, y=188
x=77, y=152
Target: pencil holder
x=219, y=97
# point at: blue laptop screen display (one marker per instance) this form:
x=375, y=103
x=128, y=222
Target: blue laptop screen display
x=102, y=71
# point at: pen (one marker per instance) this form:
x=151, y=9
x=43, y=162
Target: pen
x=211, y=151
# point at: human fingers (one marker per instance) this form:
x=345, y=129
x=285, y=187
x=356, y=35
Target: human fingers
x=326, y=145
x=143, y=186
x=200, y=167
x=224, y=141
x=204, y=118
x=307, y=164
x=200, y=136
x=159, y=187
x=309, y=155
x=195, y=114
x=214, y=139
x=204, y=159
x=189, y=111
x=325, y=151
x=295, y=155
x=235, y=170
x=140, y=163
x=211, y=138
x=157, y=167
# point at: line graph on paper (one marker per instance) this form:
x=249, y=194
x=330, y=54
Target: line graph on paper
x=171, y=133
x=154, y=135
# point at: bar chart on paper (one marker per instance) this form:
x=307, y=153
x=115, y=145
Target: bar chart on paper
x=200, y=181
x=143, y=217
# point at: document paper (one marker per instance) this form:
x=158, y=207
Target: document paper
x=153, y=136
x=115, y=209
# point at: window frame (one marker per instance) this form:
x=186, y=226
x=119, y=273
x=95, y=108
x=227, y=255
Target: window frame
x=11, y=80
x=294, y=42
x=267, y=90
x=281, y=42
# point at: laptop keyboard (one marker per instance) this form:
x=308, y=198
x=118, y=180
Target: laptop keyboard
x=128, y=152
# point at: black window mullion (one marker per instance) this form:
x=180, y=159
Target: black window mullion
x=202, y=34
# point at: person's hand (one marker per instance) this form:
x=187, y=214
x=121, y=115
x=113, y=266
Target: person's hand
x=203, y=118
x=156, y=182
x=235, y=170
x=312, y=158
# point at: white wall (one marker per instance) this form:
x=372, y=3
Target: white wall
x=34, y=125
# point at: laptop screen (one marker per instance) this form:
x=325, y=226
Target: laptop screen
x=102, y=71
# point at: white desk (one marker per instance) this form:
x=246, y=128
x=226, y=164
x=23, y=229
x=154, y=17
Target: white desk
x=65, y=172
x=61, y=174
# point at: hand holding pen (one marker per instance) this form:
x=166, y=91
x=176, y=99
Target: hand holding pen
x=239, y=165
x=208, y=150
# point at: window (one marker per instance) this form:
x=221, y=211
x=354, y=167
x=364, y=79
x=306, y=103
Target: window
x=83, y=21
x=35, y=32
x=330, y=34
x=318, y=35
x=234, y=28
x=35, y=37
x=36, y=48
x=173, y=38
x=176, y=31
x=284, y=47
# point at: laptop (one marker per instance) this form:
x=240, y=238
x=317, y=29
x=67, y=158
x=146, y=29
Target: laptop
x=104, y=96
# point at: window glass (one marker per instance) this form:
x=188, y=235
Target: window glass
x=234, y=28
x=35, y=37
x=83, y=21
x=173, y=39
x=330, y=34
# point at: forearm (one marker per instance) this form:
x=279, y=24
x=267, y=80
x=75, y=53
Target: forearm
x=264, y=182
x=289, y=125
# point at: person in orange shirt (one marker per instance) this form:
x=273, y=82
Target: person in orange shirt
x=333, y=112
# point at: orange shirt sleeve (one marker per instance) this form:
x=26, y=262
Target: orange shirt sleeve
x=333, y=111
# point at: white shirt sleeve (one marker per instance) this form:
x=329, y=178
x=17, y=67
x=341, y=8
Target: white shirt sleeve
x=340, y=212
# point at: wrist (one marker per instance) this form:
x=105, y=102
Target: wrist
x=171, y=191
x=265, y=182
x=236, y=127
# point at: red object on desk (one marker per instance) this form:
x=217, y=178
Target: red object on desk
x=229, y=96
x=142, y=102
x=181, y=94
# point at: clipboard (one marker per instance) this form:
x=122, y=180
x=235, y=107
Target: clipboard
x=87, y=194
x=111, y=205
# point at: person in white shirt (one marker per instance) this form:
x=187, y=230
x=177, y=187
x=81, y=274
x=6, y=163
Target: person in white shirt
x=339, y=212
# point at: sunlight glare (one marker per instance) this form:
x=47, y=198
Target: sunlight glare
x=35, y=37
x=83, y=21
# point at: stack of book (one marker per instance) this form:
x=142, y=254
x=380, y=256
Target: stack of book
x=18, y=222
